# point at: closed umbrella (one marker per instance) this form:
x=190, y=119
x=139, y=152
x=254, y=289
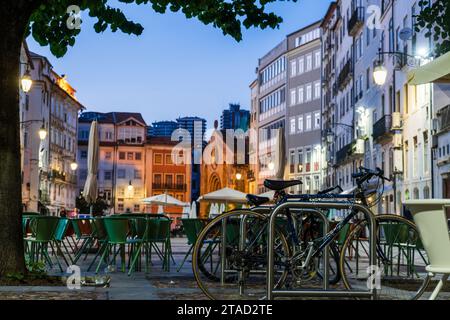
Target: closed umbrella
x=281, y=154
x=193, y=212
x=90, y=191
x=160, y=210
x=222, y=208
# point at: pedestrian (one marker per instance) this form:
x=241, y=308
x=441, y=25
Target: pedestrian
x=63, y=213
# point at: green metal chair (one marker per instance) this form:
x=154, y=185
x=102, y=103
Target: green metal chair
x=192, y=228
x=59, y=237
x=84, y=234
x=119, y=232
x=101, y=236
x=43, y=229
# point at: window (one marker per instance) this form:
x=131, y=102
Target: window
x=107, y=175
x=292, y=161
x=292, y=121
x=120, y=207
x=301, y=94
x=415, y=157
x=121, y=173
x=301, y=65
x=308, y=62
x=136, y=208
x=169, y=159
x=108, y=155
x=157, y=179
x=169, y=179
x=317, y=120
x=317, y=90
x=83, y=154
x=180, y=179
x=158, y=158
x=308, y=92
x=300, y=160
x=308, y=122
x=137, y=174
x=368, y=79
x=317, y=60
x=425, y=153
x=293, y=98
x=293, y=68
x=300, y=124
x=308, y=160
x=130, y=156
x=121, y=155
x=138, y=156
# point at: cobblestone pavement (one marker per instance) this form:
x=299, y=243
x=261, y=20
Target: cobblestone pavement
x=156, y=284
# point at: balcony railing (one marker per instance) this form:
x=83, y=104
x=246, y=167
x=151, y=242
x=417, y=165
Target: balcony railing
x=344, y=152
x=170, y=186
x=382, y=128
x=345, y=75
x=444, y=117
x=356, y=21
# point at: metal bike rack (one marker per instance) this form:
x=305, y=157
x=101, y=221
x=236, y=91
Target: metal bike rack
x=272, y=293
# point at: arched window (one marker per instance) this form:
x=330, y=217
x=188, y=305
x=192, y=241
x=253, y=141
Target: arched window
x=416, y=193
x=407, y=197
x=426, y=192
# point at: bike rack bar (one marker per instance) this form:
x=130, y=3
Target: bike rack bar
x=271, y=293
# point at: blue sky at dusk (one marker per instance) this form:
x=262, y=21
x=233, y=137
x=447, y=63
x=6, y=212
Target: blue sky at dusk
x=177, y=67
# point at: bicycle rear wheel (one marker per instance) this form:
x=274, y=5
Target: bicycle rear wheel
x=233, y=267
x=401, y=260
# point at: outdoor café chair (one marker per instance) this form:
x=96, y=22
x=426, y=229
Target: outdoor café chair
x=430, y=218
x=84, y=236
x=43, y=230
x=192, y=228
x=119, y=233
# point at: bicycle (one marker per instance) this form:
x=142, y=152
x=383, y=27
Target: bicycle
x=241, y=273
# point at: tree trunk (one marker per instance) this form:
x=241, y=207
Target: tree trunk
x=12, y=27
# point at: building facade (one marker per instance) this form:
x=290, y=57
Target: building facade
x=121, y=176
x=303, y=116
x=235, y=118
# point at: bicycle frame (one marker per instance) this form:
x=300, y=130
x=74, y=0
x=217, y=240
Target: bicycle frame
x=356, y=208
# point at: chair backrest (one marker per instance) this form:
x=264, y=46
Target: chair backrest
x=431, y=220
x=44, y=228
x=192, y=228
x=117, y=229
x=61, y=228
x=82, y=227
x=164, y=229
x=98, y=225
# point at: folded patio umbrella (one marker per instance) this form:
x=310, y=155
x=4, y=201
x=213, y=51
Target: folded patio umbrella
x=193, y=211
x=90, y=191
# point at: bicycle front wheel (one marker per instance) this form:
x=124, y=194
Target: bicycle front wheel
x=229, y=260
x=401, y=260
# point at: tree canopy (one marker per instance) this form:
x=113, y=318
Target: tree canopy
x=435, y=17
x=48, y=23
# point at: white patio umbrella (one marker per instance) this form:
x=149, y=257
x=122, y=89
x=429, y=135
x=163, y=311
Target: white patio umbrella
x=160, y=210
x=225, y=195
x=222, y=208
x=193, y=211
x=90, y=191
x=165, y=200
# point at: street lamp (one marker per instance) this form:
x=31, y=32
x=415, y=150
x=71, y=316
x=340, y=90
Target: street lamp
x=271, y=166
x=238, y=176
x=74, y=166
x=380, y=74
x=130, y=187
x=26, y=81
x=42, y=133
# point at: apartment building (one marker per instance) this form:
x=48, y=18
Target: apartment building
x=272, y=80
x=303, y=116
x=121, y=176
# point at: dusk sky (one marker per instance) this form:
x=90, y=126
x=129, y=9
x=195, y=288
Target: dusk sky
x=177, y=67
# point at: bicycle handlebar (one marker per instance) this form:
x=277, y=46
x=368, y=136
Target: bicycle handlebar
x=366, y=174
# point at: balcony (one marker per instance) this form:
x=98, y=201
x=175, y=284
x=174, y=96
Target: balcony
x=345, y=75
x=444, y=119
x=169, y=186
x=382, y=128
x=344, y=153
x=356, y=21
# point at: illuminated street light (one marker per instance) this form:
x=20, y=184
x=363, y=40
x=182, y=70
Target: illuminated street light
x=271, y=166
x=238, y=176
x=130, y=187
x=42, y=133
x=74, y=166
x=380, y=74
x=26, y=82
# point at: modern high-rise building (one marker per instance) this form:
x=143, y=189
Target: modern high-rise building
x=235, y=118
x=196, y=127
x=162, y=128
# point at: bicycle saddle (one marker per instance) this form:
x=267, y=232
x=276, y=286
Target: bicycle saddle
x=256, y=200
x=278, y=185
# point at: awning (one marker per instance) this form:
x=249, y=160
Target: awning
x=437, y=70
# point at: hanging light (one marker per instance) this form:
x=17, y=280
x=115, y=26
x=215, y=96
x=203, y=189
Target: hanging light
x=238, y=176
x=380, y=74
x=74, y=166
x=271, y=166
x=26, y=82
x=130, y=187
x=330, y=136
x=42, y=133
